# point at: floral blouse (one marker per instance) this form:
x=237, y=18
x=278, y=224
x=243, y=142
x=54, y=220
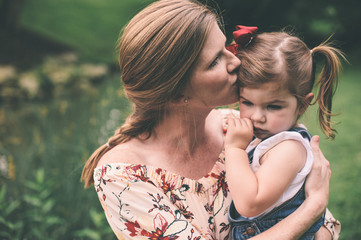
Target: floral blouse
x=145, y=202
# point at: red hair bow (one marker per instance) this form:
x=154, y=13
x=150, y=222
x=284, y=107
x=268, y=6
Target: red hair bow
x=242, y=36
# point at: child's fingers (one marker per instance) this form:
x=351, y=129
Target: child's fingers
x=244, y=123
x=231, y=123
x=247, y=123
x=237, y=123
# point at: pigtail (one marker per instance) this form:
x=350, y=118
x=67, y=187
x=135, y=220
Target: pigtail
x=327, y=82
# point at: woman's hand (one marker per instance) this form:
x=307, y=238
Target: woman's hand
x=239, y=133
x=317, y=183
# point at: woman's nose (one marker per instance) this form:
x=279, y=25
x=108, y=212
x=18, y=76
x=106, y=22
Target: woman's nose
x=233, y=62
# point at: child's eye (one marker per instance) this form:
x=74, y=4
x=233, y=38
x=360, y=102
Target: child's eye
x=247, y=103
x=214, y=63
x=274, y=107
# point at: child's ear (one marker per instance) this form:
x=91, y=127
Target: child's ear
x=306, y=103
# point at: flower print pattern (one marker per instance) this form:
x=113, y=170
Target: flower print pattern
x=136, y=173
x=163, y=230
x=103, y=180
x=157, y=204
x=142, y=202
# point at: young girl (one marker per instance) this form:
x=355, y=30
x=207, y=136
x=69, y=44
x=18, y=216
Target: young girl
x=266, y=178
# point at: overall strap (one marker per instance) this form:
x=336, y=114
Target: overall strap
x=250, y=153
x=304, y=133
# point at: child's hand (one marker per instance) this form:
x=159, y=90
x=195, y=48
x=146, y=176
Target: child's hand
x=239, y=133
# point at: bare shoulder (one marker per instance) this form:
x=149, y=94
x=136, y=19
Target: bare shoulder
x=123, y=153
x=289, y=146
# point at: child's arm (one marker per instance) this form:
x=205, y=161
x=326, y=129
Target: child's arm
x=252, y=193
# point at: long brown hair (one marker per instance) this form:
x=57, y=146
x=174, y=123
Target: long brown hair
x=282, y=57
x=156, y=52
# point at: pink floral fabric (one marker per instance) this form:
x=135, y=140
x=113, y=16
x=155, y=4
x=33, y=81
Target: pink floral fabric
x=144, y=202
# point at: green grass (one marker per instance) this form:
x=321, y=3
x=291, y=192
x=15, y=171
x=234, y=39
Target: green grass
x=89, y=26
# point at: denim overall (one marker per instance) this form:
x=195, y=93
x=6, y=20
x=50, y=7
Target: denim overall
x=244, y=228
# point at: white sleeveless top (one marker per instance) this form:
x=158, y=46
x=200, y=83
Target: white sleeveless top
x=298, y=181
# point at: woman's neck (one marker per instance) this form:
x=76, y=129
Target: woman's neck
x=186, y=143
x=183, y=128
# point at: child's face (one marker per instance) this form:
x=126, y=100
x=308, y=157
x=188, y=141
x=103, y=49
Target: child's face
x=272, y=109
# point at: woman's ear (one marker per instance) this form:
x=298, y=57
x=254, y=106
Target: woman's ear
x=306, y=103
x=180, y=100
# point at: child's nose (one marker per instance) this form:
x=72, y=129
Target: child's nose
x=258, y=116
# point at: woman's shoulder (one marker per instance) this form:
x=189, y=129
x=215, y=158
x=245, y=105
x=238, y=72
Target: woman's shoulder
x=124, y=153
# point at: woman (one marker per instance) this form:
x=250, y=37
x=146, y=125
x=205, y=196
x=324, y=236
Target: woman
x=161, y=176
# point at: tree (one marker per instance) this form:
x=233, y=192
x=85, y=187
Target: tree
x=10, y=12
x=313, y=20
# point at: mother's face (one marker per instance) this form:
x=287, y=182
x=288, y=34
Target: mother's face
x=213, y=78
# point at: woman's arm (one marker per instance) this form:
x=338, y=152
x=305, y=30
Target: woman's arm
x=317, y=190
x=323, y=234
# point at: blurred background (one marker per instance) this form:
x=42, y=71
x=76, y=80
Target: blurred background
x=60, y=98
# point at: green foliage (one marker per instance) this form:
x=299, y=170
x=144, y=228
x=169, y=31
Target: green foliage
x=40, y=219
x=52, y=79
x=10, y=227
x=56, y=134
x=32, y=214
x=99, y=231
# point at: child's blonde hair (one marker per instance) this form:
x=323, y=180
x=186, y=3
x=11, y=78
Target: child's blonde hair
x=279, y=56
